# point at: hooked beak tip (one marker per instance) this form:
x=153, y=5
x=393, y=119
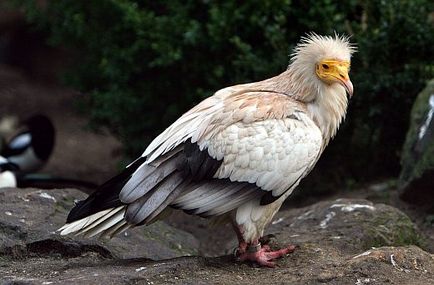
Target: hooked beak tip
x=348, y=85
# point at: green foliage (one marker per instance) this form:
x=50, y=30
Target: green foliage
x=143, y=63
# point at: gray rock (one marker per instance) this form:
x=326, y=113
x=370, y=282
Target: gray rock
x=417, y=175
x=339, y=242
x=29, y=219
x=350, y=225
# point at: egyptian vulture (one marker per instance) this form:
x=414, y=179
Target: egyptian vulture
x=239, y=153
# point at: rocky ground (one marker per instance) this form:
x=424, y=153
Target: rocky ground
x=343, y=241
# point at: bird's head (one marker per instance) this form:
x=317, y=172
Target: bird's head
x=323, y=61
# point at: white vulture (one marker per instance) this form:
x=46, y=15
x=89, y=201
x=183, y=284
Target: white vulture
x=239, y=153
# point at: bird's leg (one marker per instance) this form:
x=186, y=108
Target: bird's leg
x=263, y=255
x=242, y=244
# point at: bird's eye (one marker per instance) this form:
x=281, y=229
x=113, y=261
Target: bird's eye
x=325, y=66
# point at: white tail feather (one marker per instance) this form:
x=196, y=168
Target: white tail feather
x=107, y=218
x=78, y=225
x=105, y=225
x=95, y=223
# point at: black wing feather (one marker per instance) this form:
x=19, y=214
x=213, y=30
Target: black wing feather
x=106, y=196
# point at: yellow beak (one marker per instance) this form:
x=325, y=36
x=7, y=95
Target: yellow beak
x=334, y=71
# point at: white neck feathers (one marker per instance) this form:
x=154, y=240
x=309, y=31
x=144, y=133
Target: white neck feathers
x=328, y=110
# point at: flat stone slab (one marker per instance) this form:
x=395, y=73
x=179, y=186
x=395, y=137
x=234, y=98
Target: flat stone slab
x=29, y=219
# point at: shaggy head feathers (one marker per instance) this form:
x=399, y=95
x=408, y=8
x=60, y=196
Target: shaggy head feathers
x=303, y=83
x=313, y=48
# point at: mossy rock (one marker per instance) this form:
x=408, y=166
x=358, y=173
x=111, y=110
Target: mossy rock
x=350, y=225
x=391, y=228
x=418, y=150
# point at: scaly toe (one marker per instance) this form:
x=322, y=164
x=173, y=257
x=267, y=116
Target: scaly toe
x=266, y=247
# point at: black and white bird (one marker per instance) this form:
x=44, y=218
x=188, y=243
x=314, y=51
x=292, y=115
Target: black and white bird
x=31, y=148
x=7, y=173
x=237, y=154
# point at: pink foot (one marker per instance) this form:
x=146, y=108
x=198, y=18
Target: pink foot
x=263, y=255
